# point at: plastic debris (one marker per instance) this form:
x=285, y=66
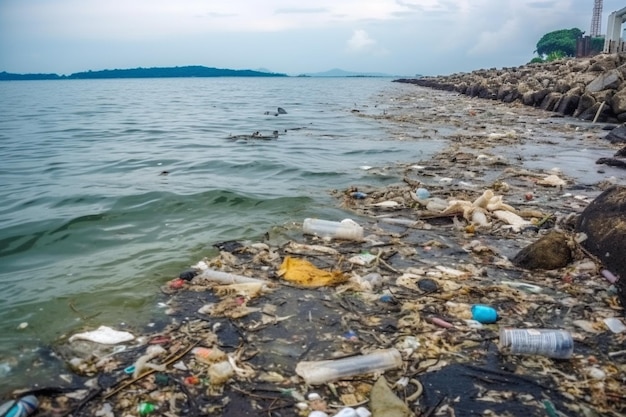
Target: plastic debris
x=546, y=342
x=21, y=407
x=304, y=273
x=384, y=403
x=104, y=335
x=321, y=372
x=484, y=314
x=346, y=229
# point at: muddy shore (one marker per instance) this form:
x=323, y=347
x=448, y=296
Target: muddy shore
x=409, y=285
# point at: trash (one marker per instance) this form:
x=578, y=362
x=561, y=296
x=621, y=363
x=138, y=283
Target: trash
x=321, y=372
x=609, y=276
x=546, y=342
x=362, y=259
x=142, y=364
x=614, y=324
x=208, y=356
x=21, y=407
x=227, y=278
x=220, y=373
x=347, y=412
x=363, y=412
x=317, y=413
x=304, y=273
x=188, y=274
x=422, y=194
x=145, y=408
x=384, y=403
x=552, y=181
x=484, y=314
x=346, y=229
x=104, y=335
x=358, y=195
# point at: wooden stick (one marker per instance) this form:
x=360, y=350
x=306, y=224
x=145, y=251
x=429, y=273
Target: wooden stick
x=595, y=119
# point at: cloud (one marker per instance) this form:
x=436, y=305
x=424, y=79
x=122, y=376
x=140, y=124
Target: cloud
x=360, y=41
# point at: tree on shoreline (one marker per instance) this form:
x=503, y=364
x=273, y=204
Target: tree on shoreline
x=557, y=44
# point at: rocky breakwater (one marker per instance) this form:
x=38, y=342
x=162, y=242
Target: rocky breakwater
x=585, y=88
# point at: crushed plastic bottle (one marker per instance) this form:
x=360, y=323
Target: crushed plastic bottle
x=22, y=407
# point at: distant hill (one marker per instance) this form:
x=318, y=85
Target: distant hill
x=166, y=72
x=336, y=72
x=7, y=76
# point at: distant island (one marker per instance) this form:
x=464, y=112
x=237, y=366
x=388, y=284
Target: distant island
x=168, y=72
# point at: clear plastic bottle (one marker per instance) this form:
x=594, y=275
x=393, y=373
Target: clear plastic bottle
x=552, y=343
x=321, y=372
x=346, y=229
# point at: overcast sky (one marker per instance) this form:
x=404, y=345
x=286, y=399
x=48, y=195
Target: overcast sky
x=398, y=37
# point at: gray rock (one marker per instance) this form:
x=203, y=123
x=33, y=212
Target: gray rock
x=617, y=135
x=604, y=81
x=604, y=223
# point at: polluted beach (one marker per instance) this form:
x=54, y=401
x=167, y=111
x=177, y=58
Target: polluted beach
x=472, y=283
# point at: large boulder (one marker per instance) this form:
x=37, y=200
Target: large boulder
x=604, y=223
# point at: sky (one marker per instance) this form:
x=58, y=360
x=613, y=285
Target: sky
x=396, y=37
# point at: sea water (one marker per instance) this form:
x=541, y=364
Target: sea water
x=110, y=188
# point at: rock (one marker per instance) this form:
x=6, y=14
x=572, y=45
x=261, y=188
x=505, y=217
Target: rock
x=618, y=102
x=604, y=223
x=612, y=162
x=585, y=102
x=621, y=152
x=570, y=87
x=550, y=101
x=568, y=104
x=384, y=403
x=552, y=251
x=607, y=80
x=617, y=135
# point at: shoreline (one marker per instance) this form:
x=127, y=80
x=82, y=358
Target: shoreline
x=591, y=88
x=432, y=269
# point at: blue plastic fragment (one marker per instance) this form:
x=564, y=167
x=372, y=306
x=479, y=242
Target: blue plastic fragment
x=358, y=195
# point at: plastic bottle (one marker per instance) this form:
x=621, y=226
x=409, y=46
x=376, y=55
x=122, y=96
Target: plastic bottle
x=228, y=278
x=345, y=229
x=22, y=407
x=321, y=372
x=552, y=343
